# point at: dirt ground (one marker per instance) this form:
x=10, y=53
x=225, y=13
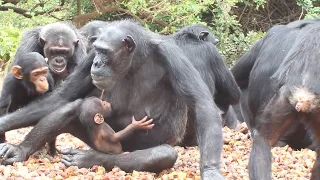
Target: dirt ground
x=287, y=164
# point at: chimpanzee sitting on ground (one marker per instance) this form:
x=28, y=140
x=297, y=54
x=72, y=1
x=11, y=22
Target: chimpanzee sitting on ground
x=199, y=45
x=28, y=80
x=93, y=112
x=61, y=44
x=280, y=75
x=195, y=35
x=143, y=74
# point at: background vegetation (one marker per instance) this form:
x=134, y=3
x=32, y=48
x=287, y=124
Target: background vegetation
x=236, y=23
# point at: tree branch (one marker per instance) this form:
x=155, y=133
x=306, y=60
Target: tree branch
x=10, y=1
x=23, y=12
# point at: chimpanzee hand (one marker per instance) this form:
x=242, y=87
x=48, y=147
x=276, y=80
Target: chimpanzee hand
x=11, y=153
x=142, y=124
x=81, y=158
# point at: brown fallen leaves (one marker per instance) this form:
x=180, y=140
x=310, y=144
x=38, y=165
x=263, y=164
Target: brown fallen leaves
x=287, y=164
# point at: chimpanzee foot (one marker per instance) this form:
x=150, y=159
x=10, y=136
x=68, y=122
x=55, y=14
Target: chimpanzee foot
x=243, y=128
x=212, y=174
x=11, y=153
x=81, y=158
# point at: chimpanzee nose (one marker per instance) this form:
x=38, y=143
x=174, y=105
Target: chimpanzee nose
x=59, y=60
x=98, y=63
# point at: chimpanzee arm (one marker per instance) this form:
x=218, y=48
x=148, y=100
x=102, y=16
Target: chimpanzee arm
x=81, y=49
x=77, y=85
x=224, y=80
x=242, y=69
x=52, y=125
x=188, y=83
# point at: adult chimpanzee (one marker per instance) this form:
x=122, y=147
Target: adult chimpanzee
x=143, y=75
x=279, y=75
x=210, y=65
x=92, y=115
x=195, y=34
x=59, y=42
x=91, y=31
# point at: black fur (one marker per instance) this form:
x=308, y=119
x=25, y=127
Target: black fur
x=201, y=51
x=52, y=33
x=286, y=57
x=91, y=31
x=143, y=75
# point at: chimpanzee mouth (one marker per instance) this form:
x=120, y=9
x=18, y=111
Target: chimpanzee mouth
x=102, y=82
x=58, y=69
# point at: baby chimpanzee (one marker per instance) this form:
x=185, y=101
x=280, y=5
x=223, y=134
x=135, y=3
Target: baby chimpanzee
x=93, y=111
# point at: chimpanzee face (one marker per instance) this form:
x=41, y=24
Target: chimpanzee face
x=59, y=51
x=33, y=69
x=114, y=49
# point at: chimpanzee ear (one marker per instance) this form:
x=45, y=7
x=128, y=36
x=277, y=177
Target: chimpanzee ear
x=100, y=30
x=76, y=42
x=42, y=41
x=203, y=35
x=129, y=43
x=17, y=72
x=216, y=41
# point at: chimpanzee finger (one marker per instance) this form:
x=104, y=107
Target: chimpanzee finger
x=3, y=149
x=146, y=123
x=149, y=126
x=66, y=162
x=66, y=157
x=144, y=119
x=68, y=151
x=9, y=161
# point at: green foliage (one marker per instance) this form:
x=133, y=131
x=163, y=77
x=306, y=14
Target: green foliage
x=311, y=6
x=9, y=40
x=216, y=14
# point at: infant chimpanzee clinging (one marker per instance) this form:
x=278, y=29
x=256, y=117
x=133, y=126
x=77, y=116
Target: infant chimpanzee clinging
x=105, y=139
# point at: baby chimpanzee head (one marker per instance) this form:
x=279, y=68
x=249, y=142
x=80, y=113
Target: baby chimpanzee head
x=95, y=109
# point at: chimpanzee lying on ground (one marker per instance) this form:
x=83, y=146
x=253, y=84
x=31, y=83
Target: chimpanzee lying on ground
x=92, y=115
x=280, y=76
x=142, y=75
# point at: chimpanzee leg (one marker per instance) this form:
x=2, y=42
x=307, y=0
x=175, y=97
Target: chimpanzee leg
x=231, y=120
x=50, y=126
x=272, y=123
x=154, y=159
x=315, y=126
x=101, y=136
x=315, y=173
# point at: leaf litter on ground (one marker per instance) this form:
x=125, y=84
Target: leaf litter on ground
x=287, y=163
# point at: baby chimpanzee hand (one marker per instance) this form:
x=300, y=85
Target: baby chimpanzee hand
x=142, y=124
